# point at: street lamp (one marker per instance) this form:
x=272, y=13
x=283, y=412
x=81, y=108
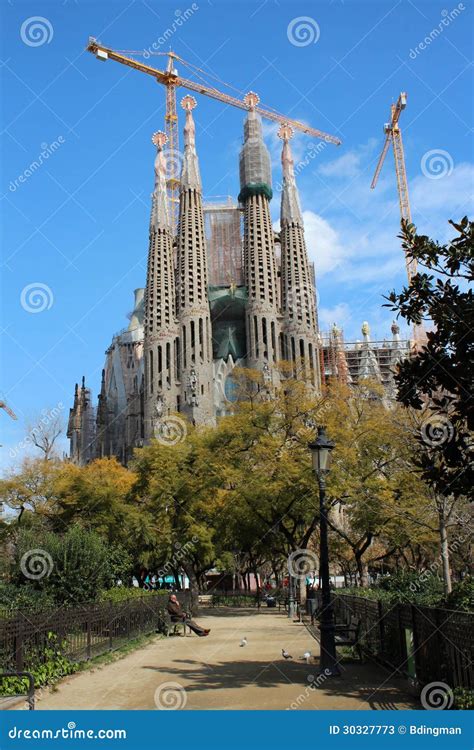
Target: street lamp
x=320, y=451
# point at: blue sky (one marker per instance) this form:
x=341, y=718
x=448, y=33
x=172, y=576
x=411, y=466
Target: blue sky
x=78, y=224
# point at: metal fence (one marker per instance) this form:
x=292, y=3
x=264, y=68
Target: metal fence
x=79, y=633
x=425, y=643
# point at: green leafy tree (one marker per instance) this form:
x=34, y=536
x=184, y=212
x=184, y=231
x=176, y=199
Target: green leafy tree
x=440, y=375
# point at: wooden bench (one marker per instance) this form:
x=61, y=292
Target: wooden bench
x=348, y=634
x=205, y=600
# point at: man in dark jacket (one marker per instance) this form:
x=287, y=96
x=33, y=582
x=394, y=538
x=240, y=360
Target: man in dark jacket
x=177, y=615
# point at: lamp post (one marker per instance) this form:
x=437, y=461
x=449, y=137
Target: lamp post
x=320, y=451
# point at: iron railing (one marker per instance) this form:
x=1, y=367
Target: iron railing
x=79, y=633
x=427, y=644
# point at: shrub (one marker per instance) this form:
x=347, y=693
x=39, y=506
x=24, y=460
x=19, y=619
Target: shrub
x=76, y=564
x=463, y=699
x=462, y=596
x=24, y=599
x=47, y=665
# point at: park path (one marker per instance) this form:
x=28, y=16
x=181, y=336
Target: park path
x=215, y=673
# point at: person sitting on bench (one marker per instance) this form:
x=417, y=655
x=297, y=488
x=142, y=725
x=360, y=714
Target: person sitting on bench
x=177, y=615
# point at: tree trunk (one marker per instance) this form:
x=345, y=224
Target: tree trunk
x=360, y=571
x=443, y=533
x=193, y=583
x=177, y=582
x=302, y=587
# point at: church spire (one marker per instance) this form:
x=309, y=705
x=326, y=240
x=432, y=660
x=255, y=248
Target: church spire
x=290, y=202
x=190, y=175
x=161, y=345
x=196, y=360
x=159, y=202
x=300, y=341
x=262, y=314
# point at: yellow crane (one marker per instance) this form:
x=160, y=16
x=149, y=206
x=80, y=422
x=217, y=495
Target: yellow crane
x=171, y=80
x=393, y=135
x=5, y=407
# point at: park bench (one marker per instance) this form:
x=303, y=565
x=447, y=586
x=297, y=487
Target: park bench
x=348, y=634
x=205, y=600
x=171, y=628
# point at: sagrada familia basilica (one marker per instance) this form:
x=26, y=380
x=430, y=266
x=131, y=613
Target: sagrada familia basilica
x=217, y=297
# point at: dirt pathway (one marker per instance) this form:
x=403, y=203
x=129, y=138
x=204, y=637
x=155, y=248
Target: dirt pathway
x=216, y=673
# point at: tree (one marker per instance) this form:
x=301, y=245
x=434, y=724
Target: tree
x=45, y=430
x=438, y=380
x=376, y=496
x=31, y=487
x=95, y=496
x=440, y=375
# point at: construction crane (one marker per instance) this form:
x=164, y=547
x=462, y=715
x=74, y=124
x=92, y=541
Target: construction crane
x=171, y=80
x=393, y=135
x=4, y=405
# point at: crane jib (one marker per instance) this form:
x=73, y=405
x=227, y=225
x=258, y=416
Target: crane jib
x=169, y=78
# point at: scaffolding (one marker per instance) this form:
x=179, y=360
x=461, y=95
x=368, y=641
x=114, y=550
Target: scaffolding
x=222, y=221
x=352, y=361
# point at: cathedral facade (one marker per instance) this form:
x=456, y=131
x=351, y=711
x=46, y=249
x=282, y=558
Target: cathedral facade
x=186, y=334
x=225, y=291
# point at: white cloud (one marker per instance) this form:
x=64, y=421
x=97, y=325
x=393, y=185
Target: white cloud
x=323, y=243
x=345, y=166
x=339, y=314
x=434, y=201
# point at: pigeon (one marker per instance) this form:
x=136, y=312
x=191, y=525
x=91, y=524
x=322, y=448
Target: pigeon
x=285, y=654
x=243, y=642
x=306, y=657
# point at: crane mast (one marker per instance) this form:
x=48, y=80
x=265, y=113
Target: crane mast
x=393, y=136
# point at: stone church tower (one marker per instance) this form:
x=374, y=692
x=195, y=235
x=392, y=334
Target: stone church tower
x=161, y=334
x=262, y=314
x=298, y=300
x=192, y=301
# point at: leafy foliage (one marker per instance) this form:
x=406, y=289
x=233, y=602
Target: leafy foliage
x=80, y=564
x=441, y=372
x=462, y=595
x=47, y=666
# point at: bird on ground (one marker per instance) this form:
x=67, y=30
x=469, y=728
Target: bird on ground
x=243, y=642
x=306, y=657
x=285, y=654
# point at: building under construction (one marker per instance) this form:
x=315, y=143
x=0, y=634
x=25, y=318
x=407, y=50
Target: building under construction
x=223, y=290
